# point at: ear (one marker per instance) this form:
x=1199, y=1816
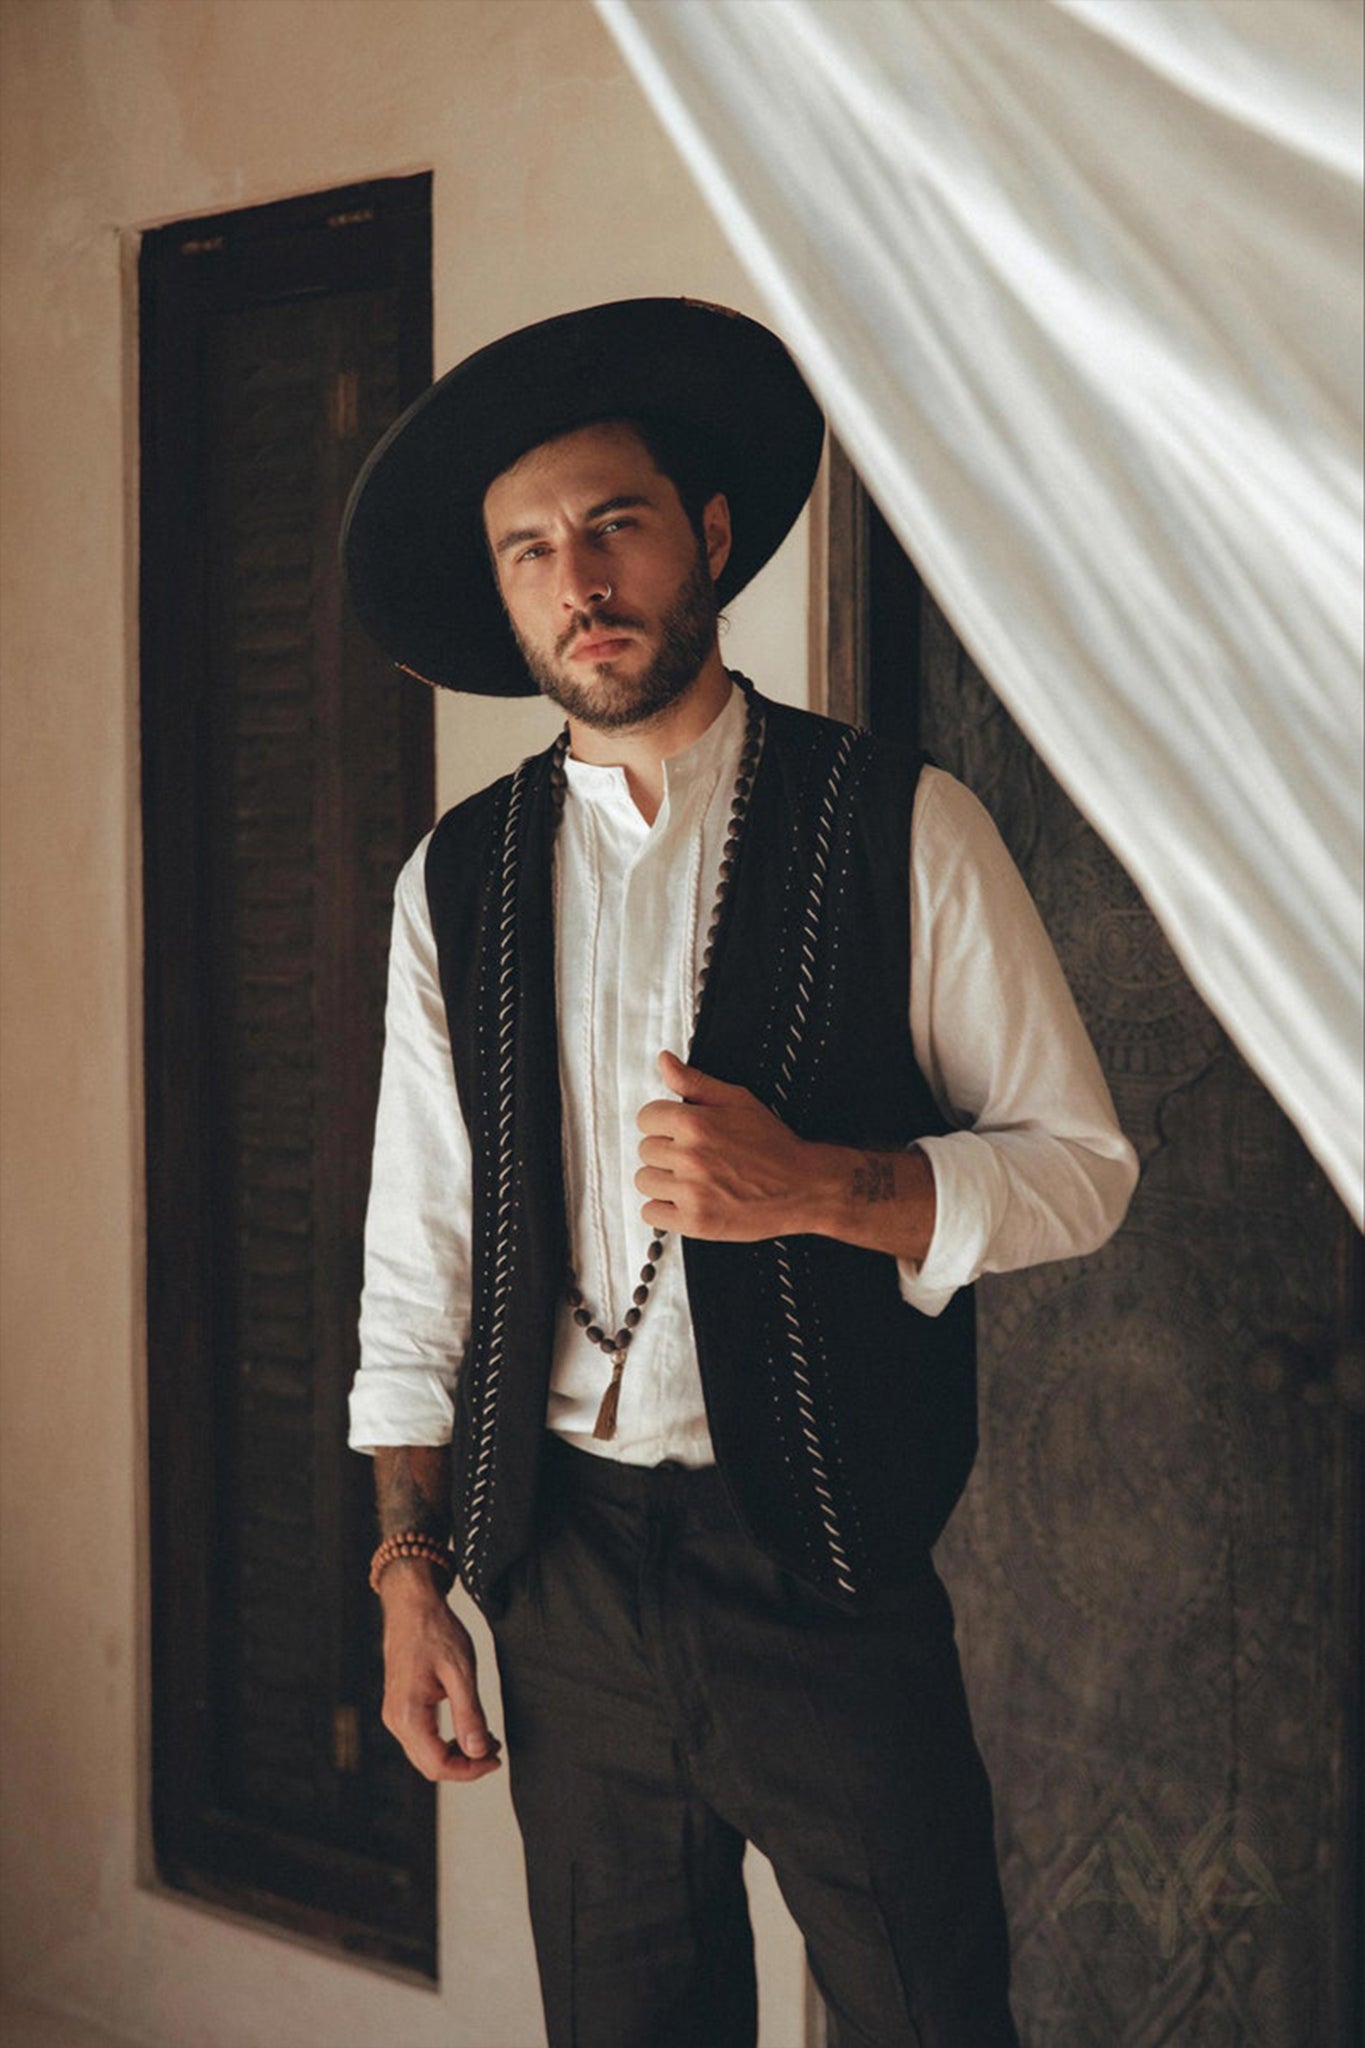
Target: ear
x=715, y=526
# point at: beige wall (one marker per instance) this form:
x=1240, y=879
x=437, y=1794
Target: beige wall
x=552, y=187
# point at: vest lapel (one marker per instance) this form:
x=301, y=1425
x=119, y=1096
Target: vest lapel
x=521, y=1251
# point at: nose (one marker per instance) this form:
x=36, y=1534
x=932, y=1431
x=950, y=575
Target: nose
x=583, y=581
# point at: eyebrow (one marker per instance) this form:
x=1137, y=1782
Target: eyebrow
x=622, y=503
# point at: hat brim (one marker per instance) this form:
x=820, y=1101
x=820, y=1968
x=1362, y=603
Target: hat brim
x=412, y=538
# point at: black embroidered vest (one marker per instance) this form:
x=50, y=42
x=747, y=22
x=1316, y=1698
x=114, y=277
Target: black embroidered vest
x=843, y=1420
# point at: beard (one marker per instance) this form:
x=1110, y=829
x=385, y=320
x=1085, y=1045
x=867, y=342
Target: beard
x=608, y=703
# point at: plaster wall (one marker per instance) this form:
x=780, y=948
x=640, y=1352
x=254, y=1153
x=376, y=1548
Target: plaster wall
x=553, y=187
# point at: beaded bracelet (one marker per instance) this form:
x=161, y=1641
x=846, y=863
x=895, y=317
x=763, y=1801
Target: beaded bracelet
x=412, y=1543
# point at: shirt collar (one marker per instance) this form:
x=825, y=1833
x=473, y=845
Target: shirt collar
x=696, y=767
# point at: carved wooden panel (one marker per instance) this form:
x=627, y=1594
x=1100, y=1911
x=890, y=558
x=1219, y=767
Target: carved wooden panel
x=287, y=775
x=1155, y=1566
x=300, y=886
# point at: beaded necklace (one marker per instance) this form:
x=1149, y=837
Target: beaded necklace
x=594, y=1326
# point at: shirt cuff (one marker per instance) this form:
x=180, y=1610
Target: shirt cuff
x=392, y=1406
x=967, y=1196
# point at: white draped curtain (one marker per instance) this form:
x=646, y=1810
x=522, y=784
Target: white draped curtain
x=1079, y=285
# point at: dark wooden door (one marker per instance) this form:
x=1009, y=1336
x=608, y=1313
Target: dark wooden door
x=1156, y=1566
x=287, y=773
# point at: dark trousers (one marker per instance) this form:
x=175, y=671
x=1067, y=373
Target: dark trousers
x=670, y=1694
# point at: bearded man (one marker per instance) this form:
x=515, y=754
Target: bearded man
x=724, y=1049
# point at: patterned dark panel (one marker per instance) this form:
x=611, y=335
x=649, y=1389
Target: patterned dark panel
x=310, y=827
x=1155, y=1563
x=288, y=777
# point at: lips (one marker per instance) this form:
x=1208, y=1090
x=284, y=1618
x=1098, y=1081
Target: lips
x=601, y=649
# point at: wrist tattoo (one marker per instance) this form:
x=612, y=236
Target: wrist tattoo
x=412, y=1491
x=874, y=1180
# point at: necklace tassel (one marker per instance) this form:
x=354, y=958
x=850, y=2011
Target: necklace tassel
x=604, y=1429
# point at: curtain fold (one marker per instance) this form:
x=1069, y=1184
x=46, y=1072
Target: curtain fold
x=1079, y=284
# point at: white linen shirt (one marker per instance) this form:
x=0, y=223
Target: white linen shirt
x=1035, y=1169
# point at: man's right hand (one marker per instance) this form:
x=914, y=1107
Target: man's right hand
x=428, y=1657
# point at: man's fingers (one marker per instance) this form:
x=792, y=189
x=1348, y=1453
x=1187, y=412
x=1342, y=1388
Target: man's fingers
x=440, y=1760
x=689, y=1122
x=658, y=1119
x=462, y=1770
x=674, y=1071
x=693, y=1085
x=466, y=1761
x=418, y=1730
x=466, y=1712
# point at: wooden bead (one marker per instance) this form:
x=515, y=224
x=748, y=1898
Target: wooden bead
x=594, y=1333
x=582, y=1317
x=413, y=1543
x=633, y=1314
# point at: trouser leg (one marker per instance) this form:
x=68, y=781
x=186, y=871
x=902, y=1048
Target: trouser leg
x=842, y=1746
x=884, y=1849
x=636, y=1890
x=669, y=1692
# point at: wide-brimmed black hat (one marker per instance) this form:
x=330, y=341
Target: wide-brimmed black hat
x=412, y=539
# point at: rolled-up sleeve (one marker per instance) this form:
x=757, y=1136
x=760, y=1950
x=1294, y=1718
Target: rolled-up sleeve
x=414, y=1311
x=1036, y=1167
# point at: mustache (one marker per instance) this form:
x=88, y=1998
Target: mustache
x=584, y=623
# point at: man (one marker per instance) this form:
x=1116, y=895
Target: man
x=724, y=1049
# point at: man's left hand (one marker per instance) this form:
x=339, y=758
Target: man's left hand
x=719, y=1164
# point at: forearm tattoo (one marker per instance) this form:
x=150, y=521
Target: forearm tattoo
x=874, y=1180
x=412, y=1490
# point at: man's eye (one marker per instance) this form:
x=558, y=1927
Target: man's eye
x=615, y=525
x=533, y=553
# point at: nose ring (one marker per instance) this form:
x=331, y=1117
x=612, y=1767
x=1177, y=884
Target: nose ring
x=605, y=598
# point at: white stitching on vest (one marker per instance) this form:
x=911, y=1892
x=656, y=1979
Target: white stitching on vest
x=800, y=1365
x=805, y=988
x=810, y=931
x=484, y=1424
